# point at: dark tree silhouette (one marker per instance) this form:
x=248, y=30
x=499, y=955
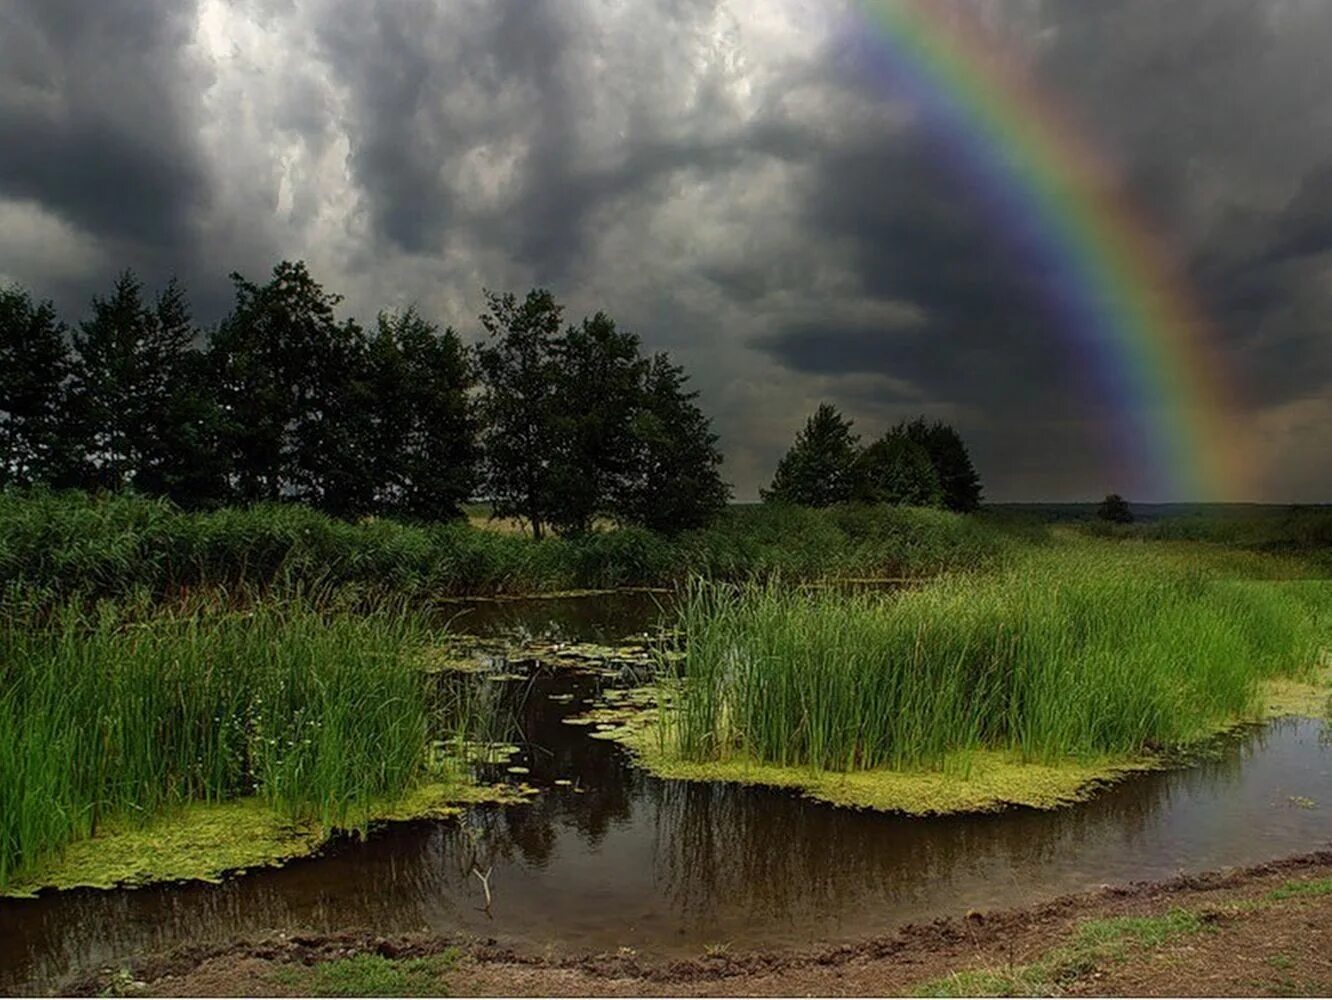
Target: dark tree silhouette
x=286, y=375
x=419, y=423
x=1115, y=509
x=35, y=445
x=136, y=392
x=290, y=403
x=961, y=486
x=519, y=405
x=819, y=470
x=897, y=470
x=674, y=482
x=600, y=373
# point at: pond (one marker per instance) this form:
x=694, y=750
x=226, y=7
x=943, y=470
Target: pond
x=620, y=859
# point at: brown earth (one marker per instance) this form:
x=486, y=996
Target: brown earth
x=1265, y=930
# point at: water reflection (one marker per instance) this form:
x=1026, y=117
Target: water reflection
x=606, y=618
x=623, y=859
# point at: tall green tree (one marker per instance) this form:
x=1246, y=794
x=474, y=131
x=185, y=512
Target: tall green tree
x=286, y=373
x=961, y=486
x=519, y=405
x=421, y=425
x=896, y=470
x=35, y=366
x=136, y=393
x=598, y=389
x=819, y=469
x=674, y=481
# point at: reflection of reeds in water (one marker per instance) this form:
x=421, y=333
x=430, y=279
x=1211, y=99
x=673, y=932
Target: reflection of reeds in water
x=728, y=847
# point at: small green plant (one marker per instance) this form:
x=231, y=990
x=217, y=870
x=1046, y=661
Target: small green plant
x=371, y=976
x=1296, y=888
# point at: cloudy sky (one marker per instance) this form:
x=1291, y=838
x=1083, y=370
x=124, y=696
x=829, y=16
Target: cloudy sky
x=729, y=178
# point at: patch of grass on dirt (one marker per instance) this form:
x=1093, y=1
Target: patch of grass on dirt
x=1141, y=932
x=1299, y=888
x=370, y=976
x=1095, y=943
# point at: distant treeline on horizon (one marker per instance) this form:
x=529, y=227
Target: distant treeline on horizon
x=284, y=400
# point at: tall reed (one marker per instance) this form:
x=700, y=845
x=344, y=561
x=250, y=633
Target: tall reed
x=103, y=714
x=1073, y=654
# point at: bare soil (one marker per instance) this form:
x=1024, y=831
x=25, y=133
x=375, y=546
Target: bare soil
x=1257, y=937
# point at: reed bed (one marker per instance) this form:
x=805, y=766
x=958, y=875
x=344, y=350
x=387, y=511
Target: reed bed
x=1083, y=651
x=66, y=545
x=104, y=714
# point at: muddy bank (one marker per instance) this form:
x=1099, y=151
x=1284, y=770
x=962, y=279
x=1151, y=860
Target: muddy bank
x=1266, y=929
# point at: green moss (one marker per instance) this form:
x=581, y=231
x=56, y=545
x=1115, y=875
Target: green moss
x=206, y=841
x=1311, y=697
x=975, y=781
x=196, y=841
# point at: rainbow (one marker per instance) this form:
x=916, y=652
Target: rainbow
x=1113, y=288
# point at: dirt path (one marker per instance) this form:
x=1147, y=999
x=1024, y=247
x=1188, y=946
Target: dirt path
x=1265, y=930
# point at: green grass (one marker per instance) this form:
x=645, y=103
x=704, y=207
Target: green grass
x=1095, y=943
x=1080, y=649
x=1297, y=889
x=67, y=545
x=108, y=716
x=370, y=976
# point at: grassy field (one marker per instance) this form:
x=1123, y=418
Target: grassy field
x=1083, y=649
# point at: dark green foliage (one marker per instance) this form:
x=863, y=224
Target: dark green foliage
x=599, y=373
x=519, y=405
x=290, y=403
x=819, y=470
x=419, y=427
x=673, y=481
x=896, y=470
x=579, y=426
x=961, y=486
x=34, y=369
x=286, y=371
x=64, y=545
x=1115, y=509
x=140, y=397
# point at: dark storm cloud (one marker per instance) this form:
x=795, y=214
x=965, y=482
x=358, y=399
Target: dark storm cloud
x=728, y=177
x=94, y=116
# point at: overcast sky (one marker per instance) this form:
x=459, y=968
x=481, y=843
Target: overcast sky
x=725, y=177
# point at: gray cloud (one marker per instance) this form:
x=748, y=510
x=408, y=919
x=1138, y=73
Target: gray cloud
x=728, y=177
x=95, y=106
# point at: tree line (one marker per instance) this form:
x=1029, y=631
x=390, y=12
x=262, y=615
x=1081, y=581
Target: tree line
x=284, y=400
x=915, y=464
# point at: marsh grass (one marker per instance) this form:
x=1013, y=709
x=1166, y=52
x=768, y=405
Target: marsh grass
x=60, y=546
x=1083, y=651
x=106, y=714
